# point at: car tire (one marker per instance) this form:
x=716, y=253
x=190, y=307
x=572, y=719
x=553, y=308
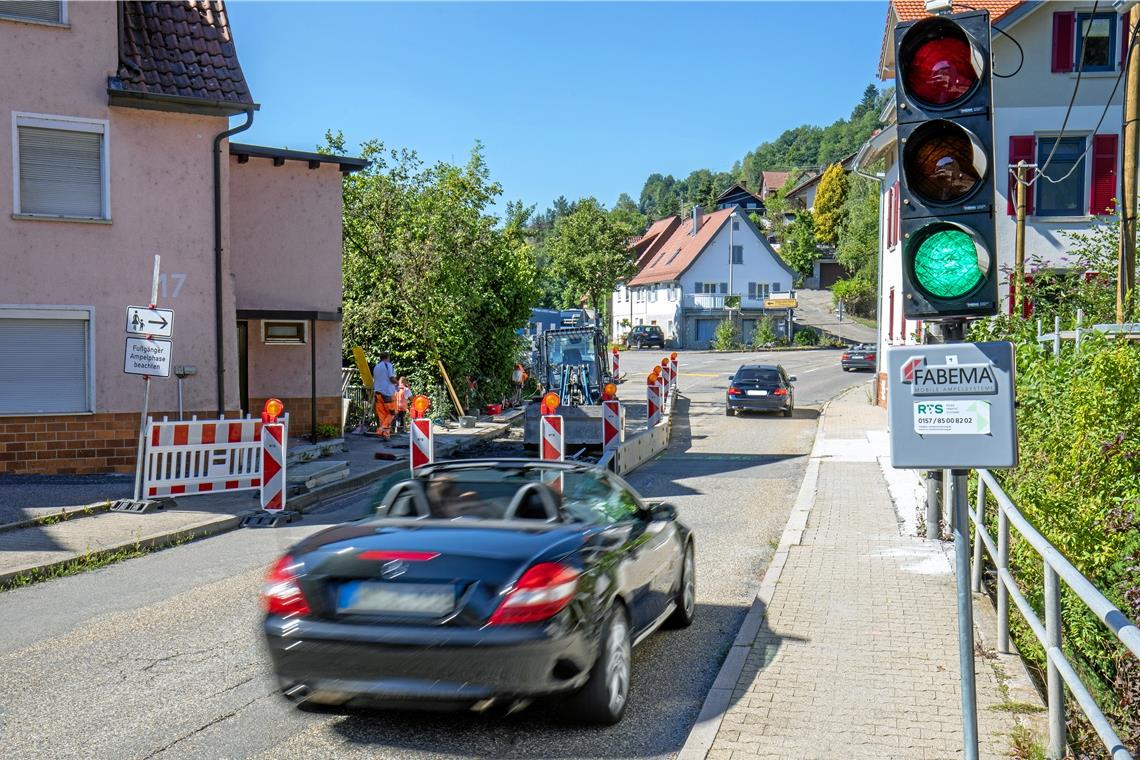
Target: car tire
x=846, y=369
x=603, y=699
x=728, y=411
x=789, y=411
x=686, y=599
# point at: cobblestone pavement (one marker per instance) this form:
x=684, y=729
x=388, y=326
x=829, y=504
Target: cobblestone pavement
x=857, y=656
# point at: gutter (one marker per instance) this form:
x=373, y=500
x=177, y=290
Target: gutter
x=219, y=322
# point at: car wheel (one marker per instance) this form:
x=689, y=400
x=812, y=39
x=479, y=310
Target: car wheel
x=788, y=412
x=728, y=412
x=603, y=699
x=686, y=599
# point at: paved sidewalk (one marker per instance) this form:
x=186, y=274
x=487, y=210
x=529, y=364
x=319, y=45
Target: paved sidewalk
x=856, y=653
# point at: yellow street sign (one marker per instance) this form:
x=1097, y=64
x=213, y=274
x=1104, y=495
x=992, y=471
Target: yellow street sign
x=780, y=303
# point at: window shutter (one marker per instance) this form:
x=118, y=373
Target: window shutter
x=1103, y=191
x=898, y=213
x=891, y=316
x=43, y=366
x=35, y=10
x=724, y=287
x=1021, y=148
x=61, y=172
x=1064, y=30
x=699, y=287
x=1125, y=36
x=890, y=221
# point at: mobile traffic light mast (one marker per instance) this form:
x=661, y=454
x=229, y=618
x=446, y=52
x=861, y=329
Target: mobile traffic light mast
x=946, y=176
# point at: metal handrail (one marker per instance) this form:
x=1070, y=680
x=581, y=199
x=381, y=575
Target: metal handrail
x=1060, y=671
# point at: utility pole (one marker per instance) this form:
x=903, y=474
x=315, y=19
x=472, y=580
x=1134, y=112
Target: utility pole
x=1126, y=265
x=1019, y=242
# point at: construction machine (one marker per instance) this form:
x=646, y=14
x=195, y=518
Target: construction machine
x=573, y=363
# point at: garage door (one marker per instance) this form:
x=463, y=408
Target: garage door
x=706, y=329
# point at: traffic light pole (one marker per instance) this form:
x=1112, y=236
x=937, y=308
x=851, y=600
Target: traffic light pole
x=1126, y=264
x=957, y=488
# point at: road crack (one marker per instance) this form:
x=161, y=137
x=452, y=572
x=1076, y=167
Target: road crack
x=204, y=726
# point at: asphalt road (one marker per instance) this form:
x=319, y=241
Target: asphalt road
x=161, y=657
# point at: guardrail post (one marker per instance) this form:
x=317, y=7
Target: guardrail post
x=1002, y=591
x=979, y=526
x=1055, y=687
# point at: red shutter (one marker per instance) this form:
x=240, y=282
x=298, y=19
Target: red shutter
x=1027, y=302
x=1021, y=148
x=898, y=213
x=1102, y=195
x=1064, y=29
x=1124, y=38
x=889, y=226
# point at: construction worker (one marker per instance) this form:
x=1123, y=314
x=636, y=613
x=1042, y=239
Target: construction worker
x=384, y=383
x=403, y=396
x=518, y=377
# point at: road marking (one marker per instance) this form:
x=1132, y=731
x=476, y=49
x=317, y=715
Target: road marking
x=703, y=374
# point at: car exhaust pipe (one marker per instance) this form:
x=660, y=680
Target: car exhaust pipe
x=483, y=705
x=297, y=692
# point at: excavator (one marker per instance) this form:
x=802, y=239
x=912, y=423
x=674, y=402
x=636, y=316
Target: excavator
x=573, y=363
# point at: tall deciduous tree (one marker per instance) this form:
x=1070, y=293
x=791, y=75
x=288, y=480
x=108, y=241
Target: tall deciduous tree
x=430, y=274
x=830, y=197
x=626, y=213
x=799, y=249
x=590, y=251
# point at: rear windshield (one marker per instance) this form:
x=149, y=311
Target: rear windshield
x=487, y=493
x=759, y=375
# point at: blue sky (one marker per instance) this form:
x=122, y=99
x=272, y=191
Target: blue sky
x=569, y=99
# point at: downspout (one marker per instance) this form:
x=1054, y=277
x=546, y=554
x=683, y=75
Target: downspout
x=219, y=322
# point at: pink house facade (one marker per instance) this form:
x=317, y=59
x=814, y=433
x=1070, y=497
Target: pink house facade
x=112, y=131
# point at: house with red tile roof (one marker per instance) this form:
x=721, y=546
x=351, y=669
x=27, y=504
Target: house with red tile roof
x=116, y=137
x=1038, y=70
x=690, y=268
x=770, y=182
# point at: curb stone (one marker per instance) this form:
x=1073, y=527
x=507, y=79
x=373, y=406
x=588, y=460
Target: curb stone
x=707, y=726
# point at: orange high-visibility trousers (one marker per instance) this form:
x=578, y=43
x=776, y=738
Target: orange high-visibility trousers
x=385, y=413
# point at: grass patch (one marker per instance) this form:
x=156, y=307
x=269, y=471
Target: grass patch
x=64, y=515
x=1025, y=745
x=87, y=562
x=1017, y=708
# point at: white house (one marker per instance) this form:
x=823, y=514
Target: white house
x=687, y=268
x=1034, y=81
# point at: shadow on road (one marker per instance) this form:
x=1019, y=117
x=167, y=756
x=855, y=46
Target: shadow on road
x=672, y=673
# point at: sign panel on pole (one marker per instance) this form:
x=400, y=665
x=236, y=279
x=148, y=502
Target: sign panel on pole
x=273, y=467
x=951, y=406
x=612, y=429
x=780, y=303
x=144, y=320
x=422, y=445
x=148, y=356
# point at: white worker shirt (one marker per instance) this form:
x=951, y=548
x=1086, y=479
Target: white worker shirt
x=382, y=378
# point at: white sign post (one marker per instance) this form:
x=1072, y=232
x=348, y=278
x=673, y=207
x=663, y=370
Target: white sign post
x=149, y=356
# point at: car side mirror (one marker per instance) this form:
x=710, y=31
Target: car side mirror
x=731, y=378
x=662, y=511
x=792, y=379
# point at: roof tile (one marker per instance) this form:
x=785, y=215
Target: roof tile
x=180, y=37
x=681, y=249
x=909, y=10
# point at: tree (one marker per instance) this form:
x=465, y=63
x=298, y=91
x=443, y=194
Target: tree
x=829, y=209
x=799, y=250
x=590, y=251
x=626, y=213
x=430, y=274
x=659, y=197
x=858, y=249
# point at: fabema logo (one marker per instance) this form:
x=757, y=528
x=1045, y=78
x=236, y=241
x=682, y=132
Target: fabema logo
x=911, y=365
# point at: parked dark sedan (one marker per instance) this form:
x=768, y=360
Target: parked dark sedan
x=482, y=583
x=645, y=336
x=760, y=388
x=858, y=357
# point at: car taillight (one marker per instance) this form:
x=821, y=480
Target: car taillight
x=540, y=593
x=780, y=392
x=733, y=391
x=870, y=357
x=282, y=594
x=847, y=356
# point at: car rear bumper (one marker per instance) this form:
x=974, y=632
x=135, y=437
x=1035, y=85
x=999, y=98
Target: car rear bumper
x=335, y=663
x=759, y=403
x=857, y=364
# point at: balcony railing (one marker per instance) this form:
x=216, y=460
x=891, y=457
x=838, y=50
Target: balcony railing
x=714, y=301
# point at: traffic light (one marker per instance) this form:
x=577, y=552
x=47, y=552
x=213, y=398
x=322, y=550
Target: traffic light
x=946, y=175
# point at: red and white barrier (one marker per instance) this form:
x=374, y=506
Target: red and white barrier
x=551, y=446
x=202, y=456
x=422, y=443
x=616, y=363
x=613, y=429
x=273, y=443
x=653, y=401
x=673, y=369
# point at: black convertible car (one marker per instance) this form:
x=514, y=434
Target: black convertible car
x=482, y=583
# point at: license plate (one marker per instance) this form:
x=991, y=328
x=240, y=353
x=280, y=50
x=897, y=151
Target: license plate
x=398, y=598
x=757, y=393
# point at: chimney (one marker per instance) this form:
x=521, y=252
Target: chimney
x=696, y=220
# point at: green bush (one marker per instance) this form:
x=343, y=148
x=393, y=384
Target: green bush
x=858, y=296
x=806, y=337
x=726, y=337
x=764, y=334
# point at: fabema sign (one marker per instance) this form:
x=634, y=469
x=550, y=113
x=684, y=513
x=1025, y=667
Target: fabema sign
x=951, y=406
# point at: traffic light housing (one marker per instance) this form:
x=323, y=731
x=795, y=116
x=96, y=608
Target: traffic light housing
x=944, y=108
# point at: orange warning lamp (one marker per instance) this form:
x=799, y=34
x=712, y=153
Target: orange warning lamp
x=651, y=379
x=550, y=403
x=616, y=350
x=673, y=356
x=420, y=404
x=665, y=364
x=272, y=410
x=609, y=392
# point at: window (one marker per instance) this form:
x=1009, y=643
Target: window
x=776, y=288
x=724, y=287
x=736, y=225
x=672, y=293
x=757, y=290
x=676, y=253
x=291, y=333
x=708, y=287
x=1096, y=41
x=1067, y=197
x=49, y=11
x=46, y=361
x=737, y=254
x=60, y=167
